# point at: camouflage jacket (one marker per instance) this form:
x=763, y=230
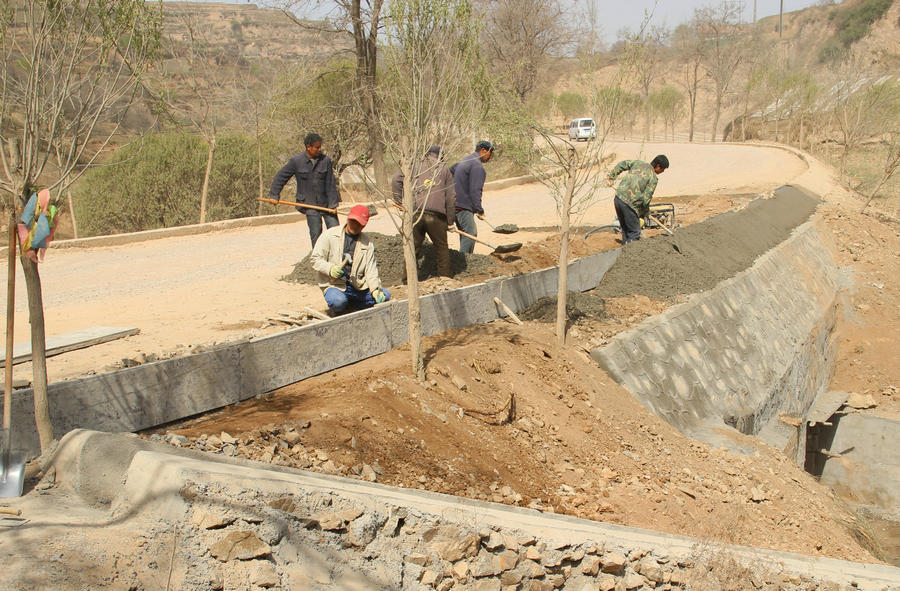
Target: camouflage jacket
x=636, y=189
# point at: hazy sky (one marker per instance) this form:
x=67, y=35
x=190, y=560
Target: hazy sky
x=671, y=13
x=615, y=15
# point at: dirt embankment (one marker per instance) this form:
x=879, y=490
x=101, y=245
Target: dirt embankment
x=505, y=417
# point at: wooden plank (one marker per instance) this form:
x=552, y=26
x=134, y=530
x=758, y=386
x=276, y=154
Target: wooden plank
x=71, y=341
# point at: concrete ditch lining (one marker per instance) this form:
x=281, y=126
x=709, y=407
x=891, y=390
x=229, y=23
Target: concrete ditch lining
x=151, y=477
x=149, y=395
x=756, y=345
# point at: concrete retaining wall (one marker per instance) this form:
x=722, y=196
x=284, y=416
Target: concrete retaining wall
x=755, y=346
x=148, y=395
x=337, y=533
x=865, y=466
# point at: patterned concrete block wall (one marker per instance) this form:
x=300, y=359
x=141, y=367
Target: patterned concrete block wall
x=754, y=346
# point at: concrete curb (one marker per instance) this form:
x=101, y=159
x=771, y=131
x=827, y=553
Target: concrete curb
x=151, y=477
x=152, y=394
x=160, y=233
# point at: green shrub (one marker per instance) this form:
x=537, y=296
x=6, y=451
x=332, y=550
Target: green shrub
x=853, y=23
x=571, y=104
x=156, y=183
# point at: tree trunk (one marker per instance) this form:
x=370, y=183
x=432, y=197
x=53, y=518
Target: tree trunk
x=691, y=123
x=715, y=125
x=209, y=162
x=646, y=98
x=259, y=172
x=412, y=283
x=38, y=352
x=72, y=212
x=562, y=288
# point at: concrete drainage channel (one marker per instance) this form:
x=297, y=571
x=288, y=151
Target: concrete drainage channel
x=756, y=354
x=724, y=359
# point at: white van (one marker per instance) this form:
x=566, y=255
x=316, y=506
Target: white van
x=583, y=128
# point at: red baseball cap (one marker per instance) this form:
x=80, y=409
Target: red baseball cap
x=360, y=213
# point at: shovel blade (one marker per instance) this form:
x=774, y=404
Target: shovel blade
x=505, y=248
x=506, y=229
x=12, y=475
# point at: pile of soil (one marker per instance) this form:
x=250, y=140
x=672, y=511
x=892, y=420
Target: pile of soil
x=578, y=305
x=711, y=251
x=389, y=257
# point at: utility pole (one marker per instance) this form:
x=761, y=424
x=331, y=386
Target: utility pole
x=780, y=15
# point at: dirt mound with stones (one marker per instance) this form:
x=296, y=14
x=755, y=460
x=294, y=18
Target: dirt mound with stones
x=504, y=417
x=389, y=256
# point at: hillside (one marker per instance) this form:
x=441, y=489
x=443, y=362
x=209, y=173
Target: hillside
x=252, y=32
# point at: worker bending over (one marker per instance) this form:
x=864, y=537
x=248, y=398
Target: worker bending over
x=435, y=205
x=634, y=193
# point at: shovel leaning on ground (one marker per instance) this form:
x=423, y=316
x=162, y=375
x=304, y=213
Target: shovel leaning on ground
x=669, y=232
x=12, y=464
x=501, y=249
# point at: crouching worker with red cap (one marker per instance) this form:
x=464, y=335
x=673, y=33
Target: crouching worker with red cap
x=344, y=257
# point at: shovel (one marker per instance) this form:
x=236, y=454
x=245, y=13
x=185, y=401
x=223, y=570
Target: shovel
x=502, y=228
x=372, y=210
x=295, y=204
x=669, y=232
x=501, y=249
x=12, y=464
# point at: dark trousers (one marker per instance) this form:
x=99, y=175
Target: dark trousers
x=435, y=225
x=314, y=221
x=629, y=220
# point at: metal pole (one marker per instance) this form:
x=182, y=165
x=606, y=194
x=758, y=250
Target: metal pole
x=780, y=15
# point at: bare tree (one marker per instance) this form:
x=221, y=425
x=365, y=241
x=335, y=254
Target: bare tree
x=68, y=74
x=361, y=20
x=640, y=61
x=690, y=49
x=865, y=105
x=207, y=74
x=573, y=175
x=720, y=27
x=432, y=84
x=890, y=163
x=521, y=35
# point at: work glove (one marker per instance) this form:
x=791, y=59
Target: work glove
x=378, y=294
x=336, y=271
x=642, y=222
x=480, y=216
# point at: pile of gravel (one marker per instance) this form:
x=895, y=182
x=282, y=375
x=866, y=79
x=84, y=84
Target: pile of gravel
x=578, y=305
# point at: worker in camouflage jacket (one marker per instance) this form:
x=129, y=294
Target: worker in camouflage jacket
x=634, y=193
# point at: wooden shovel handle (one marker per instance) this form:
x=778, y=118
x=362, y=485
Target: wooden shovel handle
x=10, y=323
x=295, y=204
x=470, y=237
